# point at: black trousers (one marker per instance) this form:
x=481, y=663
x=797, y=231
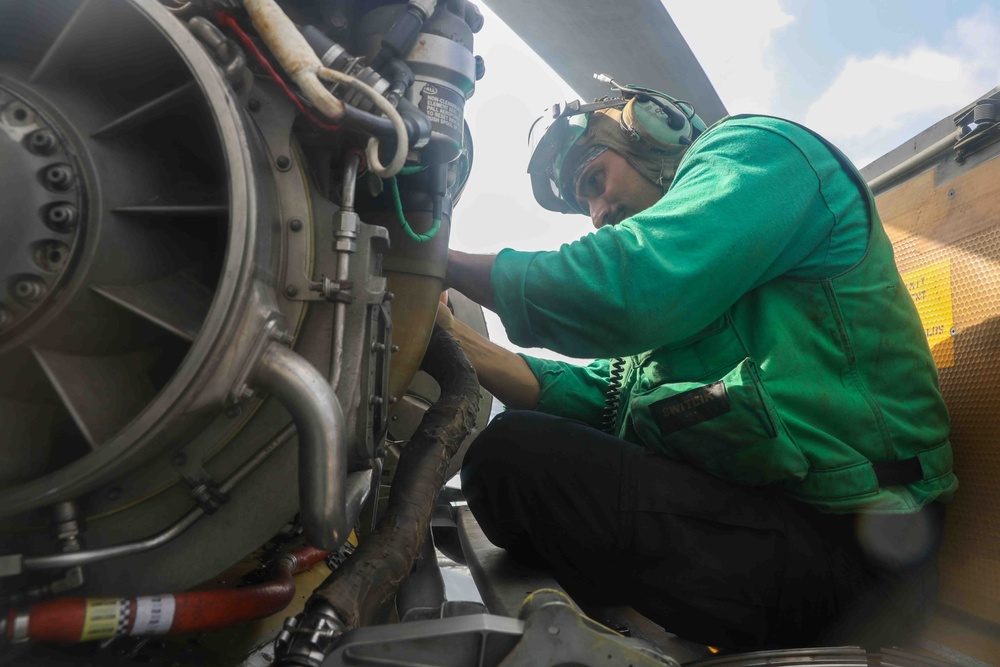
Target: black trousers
x=710, y=561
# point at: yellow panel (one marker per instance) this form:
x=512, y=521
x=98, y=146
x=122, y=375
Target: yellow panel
x=930, y=288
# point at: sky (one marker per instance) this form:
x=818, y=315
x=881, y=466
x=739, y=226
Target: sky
x=867, y=75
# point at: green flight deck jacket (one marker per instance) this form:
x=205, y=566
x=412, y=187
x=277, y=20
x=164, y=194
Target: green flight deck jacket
x=768, y=336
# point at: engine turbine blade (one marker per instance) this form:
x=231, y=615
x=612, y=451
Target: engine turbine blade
x=102, y=394
x=177, y=303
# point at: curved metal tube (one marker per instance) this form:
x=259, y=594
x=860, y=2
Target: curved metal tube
x=319, y=420
x=83, y=557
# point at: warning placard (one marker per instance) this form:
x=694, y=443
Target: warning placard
x=930, y=288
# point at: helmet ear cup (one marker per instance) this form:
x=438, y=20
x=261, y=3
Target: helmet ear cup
x=649, y=122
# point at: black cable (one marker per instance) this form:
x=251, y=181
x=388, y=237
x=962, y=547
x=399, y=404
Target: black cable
x=612, y=397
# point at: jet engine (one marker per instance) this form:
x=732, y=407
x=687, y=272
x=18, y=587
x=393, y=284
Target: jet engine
x=222, y=245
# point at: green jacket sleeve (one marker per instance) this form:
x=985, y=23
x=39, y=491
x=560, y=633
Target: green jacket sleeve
x=570, y=391
x=746, y=206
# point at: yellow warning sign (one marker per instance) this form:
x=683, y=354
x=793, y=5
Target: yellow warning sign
x=930, y=288
x=101, y=618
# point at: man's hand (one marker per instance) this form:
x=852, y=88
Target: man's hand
x=501, y=372
x=445, y=319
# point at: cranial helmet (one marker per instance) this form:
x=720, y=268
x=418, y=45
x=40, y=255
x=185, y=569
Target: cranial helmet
x=650, y=129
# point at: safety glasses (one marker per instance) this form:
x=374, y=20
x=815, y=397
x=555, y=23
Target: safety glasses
x=550, y=139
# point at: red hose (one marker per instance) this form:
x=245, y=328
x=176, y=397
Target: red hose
x=83, y=619
x=231, y=23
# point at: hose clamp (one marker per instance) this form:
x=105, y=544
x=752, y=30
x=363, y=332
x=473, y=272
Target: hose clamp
x=306, y=639
x=19, y=633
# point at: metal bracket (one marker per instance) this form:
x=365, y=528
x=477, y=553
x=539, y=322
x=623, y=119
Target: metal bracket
x=226, y=53
x=556, y=633
x=979, y=125
x=274, y=330
x=333, y=291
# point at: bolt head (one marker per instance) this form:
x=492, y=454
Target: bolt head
x=295, y=225
x=291, y=290
x=283, y=163
x=51, y=256
x=42, y=142
x=253, y=104
x=29, y=289
x=61, y=217
x=58, y=177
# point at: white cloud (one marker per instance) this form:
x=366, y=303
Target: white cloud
x=876, y=103
x=733, y=41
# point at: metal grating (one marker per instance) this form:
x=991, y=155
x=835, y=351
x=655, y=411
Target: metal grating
x=947, y=244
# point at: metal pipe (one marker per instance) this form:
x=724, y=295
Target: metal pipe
x=371, y=577
x=345, y=243
x=916, y=161
x=319, y=421
x=72, y=559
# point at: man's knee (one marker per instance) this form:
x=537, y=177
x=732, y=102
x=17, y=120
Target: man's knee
x=499, y=449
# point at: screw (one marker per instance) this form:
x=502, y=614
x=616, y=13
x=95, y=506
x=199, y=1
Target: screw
x=388, y=296
x=253, y=104
x=951, y=194
x=180, y=459
x=61, y=217
x=392, y=401
x=19, y=113
x=377, y=346
x=954, y=331
x=291, y=290
x=284, y=164
x=42, y=142
x=59, y=177
x=51, y=255
x=295, y=225
x=394, y=348
x=29, y=289
x=553, y=630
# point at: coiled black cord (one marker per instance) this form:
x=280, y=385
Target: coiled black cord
x=609, y=417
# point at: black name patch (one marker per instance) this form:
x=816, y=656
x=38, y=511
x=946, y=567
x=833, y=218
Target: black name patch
x=690, y=408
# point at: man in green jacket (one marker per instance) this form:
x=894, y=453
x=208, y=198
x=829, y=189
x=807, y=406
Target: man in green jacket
x=759, y=454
